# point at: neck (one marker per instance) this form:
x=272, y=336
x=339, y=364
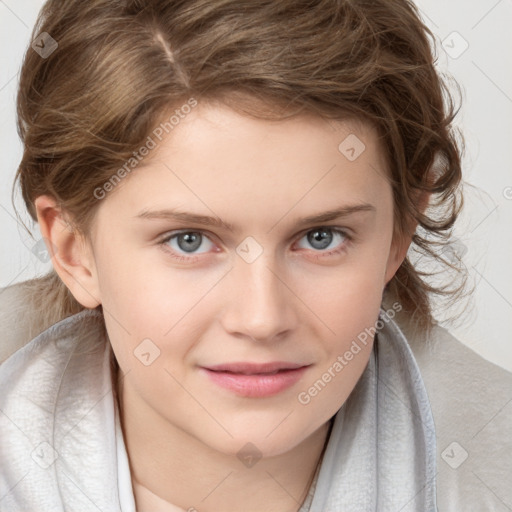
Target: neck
x=208, y=480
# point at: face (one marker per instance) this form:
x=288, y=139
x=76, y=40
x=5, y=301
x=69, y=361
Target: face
x=186, y=300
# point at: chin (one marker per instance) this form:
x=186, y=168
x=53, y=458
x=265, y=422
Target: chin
x=259, y=440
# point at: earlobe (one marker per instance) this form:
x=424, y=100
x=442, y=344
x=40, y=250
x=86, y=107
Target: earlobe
x=72, y=257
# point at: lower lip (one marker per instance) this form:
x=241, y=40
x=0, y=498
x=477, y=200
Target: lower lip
x=256, y=386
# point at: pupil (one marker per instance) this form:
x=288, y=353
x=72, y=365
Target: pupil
x=321, y=236
x=189, y=239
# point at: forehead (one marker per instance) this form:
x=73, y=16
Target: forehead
x=217, y=160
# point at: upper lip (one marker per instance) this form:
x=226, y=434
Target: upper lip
x=254, y=368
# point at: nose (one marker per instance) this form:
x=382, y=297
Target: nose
x=261, y=306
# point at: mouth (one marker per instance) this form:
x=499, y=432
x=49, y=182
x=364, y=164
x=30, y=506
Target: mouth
x=255, y=380
x=244, y=368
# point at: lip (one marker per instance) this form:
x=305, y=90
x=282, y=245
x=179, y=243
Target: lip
x=255, y=380
x=254, y=368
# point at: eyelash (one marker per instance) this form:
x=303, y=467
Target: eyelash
x=192, y=258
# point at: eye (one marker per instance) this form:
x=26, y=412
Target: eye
x=186, y=243
x=322, y=238
x=183, y=245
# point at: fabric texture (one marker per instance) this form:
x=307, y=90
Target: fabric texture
x=62, y=446
x=57, y=435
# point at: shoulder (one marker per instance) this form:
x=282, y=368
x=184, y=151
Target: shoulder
x=25, y=359
x=471, y=400
x=50, y=384
x=29, y=308
x=15, y=331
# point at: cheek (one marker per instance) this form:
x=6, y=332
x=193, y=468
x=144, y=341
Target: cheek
x=134, y=292
x=349, y=307
x=141, y=280
x=152, y=317
x=132, y=313
x=352, y=317
x=348, y=299
x=329, y=387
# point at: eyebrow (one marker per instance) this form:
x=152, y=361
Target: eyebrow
x=205, y=220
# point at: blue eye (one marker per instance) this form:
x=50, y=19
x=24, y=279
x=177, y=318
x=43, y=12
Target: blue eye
x=321, y=238
x=186, y=241
x=183, y=245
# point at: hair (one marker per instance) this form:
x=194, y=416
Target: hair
x=122, y=67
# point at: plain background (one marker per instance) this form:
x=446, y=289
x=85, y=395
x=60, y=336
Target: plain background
x=474, y=47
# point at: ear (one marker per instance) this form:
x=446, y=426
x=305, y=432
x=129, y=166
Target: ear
x=72, y=257
x=400, y=244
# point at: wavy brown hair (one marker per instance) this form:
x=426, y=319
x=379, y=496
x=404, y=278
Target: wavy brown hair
x=122, y=66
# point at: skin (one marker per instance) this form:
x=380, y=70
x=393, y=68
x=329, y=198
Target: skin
x=293, y=303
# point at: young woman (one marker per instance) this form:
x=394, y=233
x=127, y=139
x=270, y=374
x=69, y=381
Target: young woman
x=229, y=191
